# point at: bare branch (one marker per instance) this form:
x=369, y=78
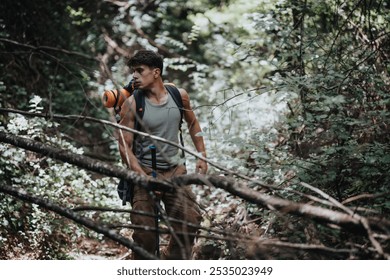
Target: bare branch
x=66, y=212
x=320, y=214
x=155, y=138
x=47, y=48
x=352, y=222
x=306, y=247
x=84, y=162
x=323, y=215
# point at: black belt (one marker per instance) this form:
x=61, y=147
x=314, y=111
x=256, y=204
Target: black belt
x=161, y=169
x=167, y=169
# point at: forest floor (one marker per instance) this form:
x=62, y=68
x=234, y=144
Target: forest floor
x=93, y=249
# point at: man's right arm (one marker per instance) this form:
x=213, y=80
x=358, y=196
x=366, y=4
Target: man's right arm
x=126, y=138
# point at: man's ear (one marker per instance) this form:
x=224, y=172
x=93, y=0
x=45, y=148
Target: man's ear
x=157, y=72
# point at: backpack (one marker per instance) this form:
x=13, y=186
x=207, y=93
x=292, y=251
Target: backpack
x=125, y=189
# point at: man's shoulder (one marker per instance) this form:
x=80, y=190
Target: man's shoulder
x=184, y=95
x=129, y=104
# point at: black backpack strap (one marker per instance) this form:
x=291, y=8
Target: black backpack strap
x=176, y=96
x=130, y=87
x=139, y=99
x=175, y=93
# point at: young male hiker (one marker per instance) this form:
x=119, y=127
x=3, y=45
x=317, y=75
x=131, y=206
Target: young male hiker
x=161, y=117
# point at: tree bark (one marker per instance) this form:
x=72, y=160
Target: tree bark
x=350, y=222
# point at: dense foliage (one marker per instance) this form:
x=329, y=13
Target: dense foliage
x=27, y=230
x=286, y=91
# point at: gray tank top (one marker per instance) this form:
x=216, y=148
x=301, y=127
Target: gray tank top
x=160, y=120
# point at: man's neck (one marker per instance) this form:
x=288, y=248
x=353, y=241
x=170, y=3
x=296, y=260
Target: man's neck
x=157, y=93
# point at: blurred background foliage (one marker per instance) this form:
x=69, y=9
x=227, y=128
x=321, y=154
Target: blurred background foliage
x=286, y=91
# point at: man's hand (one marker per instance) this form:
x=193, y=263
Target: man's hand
x=201, y=166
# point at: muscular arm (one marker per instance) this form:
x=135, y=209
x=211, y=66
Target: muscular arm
x=194, y=128
x=126, y=138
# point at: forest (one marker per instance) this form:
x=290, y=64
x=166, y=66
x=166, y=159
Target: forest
x=292, y=97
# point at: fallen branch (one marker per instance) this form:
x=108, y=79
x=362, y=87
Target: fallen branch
x=261, y=245
x=67, y=213
x=84, y=162
x=319, y=214
x=232, y=186
x=154, y=138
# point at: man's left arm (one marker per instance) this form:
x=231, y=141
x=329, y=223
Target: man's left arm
x=194, y=129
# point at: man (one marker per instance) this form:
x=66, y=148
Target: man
x=161, y=118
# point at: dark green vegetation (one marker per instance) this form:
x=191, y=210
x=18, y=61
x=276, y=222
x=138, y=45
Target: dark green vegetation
x=325, y=64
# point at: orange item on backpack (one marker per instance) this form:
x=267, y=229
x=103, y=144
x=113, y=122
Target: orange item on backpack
x=111, y=98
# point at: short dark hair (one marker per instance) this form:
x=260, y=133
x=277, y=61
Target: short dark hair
x=148, y=58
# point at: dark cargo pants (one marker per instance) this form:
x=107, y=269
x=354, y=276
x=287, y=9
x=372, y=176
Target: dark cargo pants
x=180, y=205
